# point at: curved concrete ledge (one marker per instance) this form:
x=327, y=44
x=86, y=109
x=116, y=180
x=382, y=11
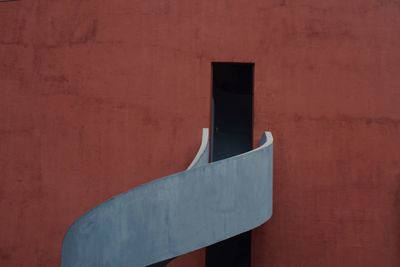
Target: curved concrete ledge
x=176, y=214
x=201, y=157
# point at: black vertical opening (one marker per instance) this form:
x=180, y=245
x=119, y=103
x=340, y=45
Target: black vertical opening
x=232, y=131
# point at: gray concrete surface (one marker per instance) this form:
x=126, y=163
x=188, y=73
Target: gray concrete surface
x=176, y=214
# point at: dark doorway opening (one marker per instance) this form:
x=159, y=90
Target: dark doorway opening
x=232, y=131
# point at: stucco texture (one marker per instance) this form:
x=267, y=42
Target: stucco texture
x=97, y=97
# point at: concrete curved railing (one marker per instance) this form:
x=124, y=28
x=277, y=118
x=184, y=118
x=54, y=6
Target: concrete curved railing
x=170, y=216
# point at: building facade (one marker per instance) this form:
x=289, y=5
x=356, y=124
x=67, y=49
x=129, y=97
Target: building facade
x=98, y=97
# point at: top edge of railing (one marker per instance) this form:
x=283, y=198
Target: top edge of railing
x=202, y=149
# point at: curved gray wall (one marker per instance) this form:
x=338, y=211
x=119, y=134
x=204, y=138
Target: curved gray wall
x=176, y=214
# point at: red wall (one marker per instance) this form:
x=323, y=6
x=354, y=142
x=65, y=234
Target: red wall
x=100, y=96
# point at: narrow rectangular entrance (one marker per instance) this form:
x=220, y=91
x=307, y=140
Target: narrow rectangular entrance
x=232, y=131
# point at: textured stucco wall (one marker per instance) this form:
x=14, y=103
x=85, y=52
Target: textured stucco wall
x=87, y=86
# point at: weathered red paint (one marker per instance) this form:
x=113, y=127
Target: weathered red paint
x=100, y=96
